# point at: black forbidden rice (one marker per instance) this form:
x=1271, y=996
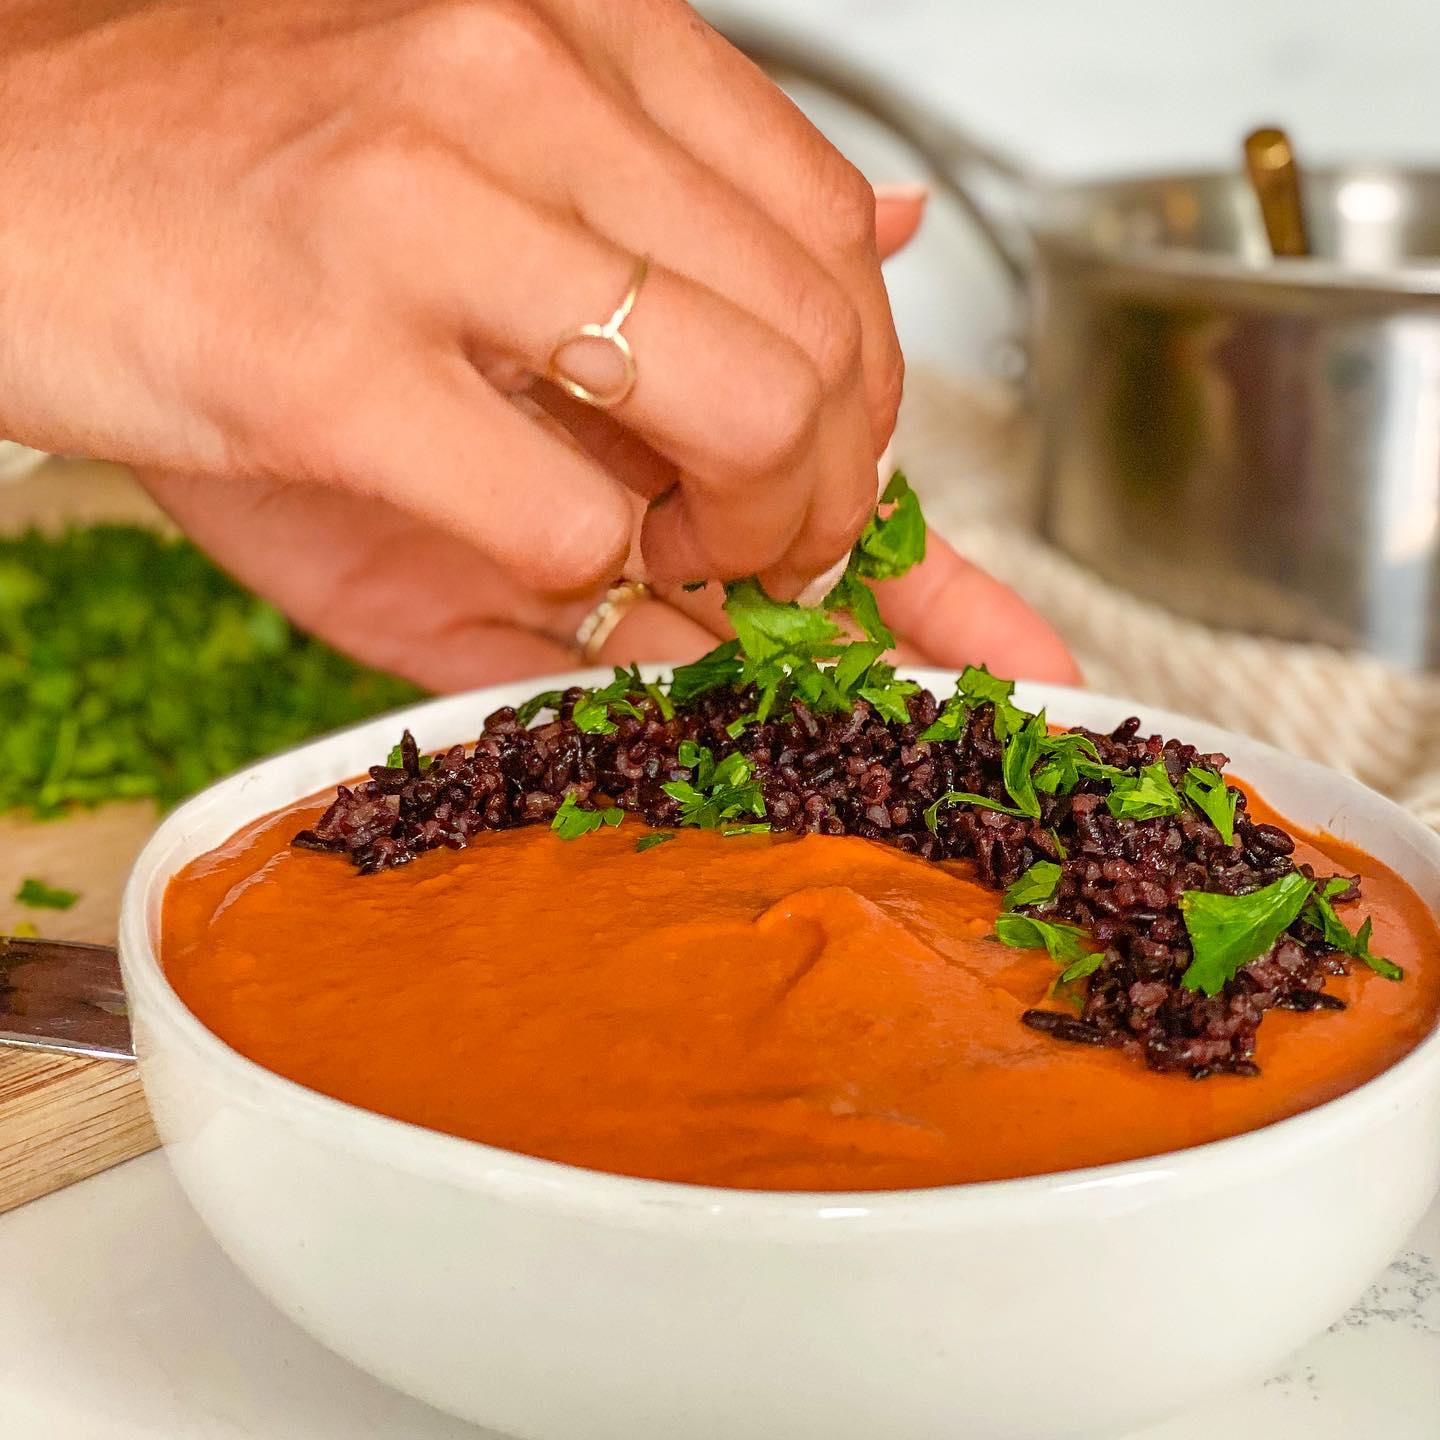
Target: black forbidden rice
x=856, y=774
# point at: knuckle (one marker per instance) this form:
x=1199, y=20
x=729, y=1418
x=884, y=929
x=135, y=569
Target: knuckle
x=886, y=391
x=833, y=527
x=838, y=336
x=366, y=177
x=503, y=35
x=849, y=212
x=782, y=422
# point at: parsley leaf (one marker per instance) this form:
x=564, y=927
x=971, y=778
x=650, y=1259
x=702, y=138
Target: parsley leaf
x=890, y=544
x=717, y=793
x=1067, y=945
x=854, y=596
x=889, y=697
x=721, y=667
x=594, y=710
x=1085, y=965
x=395, y=760
x=770, y=630
x=741, y=723
x=1227, y=932
x=1022, y=750
x=862, y=673
x=1207, y=791
x=785, y=650
x=964, y=797
x=1320, y=913
x=762, y=828
x=639, y=685
x=1069, y=758
x=40, y=896
x=571, y=822
x=1145, y=796
x=977, y=684
x=950, y=723
x=654, y=838
x=545, y=700
x=1035, y=886
x=974, y=688
x=855, y=662
x=662, y=700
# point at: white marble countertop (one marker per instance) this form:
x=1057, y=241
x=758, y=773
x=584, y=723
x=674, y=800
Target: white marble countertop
x=120, y=1320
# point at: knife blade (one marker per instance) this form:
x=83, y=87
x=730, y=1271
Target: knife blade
x=64, y=997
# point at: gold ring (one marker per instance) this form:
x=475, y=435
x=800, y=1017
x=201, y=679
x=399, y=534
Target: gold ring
x=599, y=625
x=609, y=332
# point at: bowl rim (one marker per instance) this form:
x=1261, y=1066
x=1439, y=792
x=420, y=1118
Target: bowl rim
x=621, y=1198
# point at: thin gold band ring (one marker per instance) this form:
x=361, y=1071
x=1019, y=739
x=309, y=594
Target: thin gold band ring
x=599, y=625
x=610, y=334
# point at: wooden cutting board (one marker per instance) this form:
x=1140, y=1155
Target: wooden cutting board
x=62, y=1119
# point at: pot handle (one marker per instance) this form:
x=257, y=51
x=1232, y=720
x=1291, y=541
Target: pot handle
x=990, y=186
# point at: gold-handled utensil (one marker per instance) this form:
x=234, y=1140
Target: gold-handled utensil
x=1275, y=178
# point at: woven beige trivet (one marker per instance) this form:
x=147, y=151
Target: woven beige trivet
x=967, y=451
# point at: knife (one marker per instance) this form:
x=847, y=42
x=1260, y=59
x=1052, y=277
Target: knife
x=64, y=997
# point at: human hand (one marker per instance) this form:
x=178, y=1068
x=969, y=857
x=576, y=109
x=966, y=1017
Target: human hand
x=410, y=597
x=319, y=243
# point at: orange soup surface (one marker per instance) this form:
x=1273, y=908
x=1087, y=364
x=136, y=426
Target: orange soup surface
x=765, y=1013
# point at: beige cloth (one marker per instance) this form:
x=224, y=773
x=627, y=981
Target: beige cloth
x=968, y=453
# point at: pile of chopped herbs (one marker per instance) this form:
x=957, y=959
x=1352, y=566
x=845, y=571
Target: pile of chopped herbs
x=1175, y=920
x=132, y=668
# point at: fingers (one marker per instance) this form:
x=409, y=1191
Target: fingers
x=945, y=612
x=652, y=631
x=728, y=114
x=374, y=582
x=431, y=438
x=753, y=385
x=397, y=593
x=732, y=403
x=621, y=451
x=956, y=614
x=674, y=208
x=766, y=423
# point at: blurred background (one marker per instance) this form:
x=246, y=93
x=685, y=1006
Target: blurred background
x=1110, y=86
x=1213, y=461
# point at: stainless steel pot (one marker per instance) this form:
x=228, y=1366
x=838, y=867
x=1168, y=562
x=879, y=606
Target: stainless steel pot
x=1252, y=442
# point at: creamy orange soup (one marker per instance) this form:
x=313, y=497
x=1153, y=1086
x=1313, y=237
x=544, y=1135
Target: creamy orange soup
x=812, y=1014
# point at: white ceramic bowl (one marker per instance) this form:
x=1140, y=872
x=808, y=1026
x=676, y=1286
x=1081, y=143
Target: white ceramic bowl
x=556, y=1303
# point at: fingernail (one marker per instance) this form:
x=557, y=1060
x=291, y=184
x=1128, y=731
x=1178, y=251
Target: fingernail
x=907, y=192
x=822, y=585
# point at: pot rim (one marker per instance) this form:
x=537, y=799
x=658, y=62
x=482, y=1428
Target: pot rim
x=1052, y=231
